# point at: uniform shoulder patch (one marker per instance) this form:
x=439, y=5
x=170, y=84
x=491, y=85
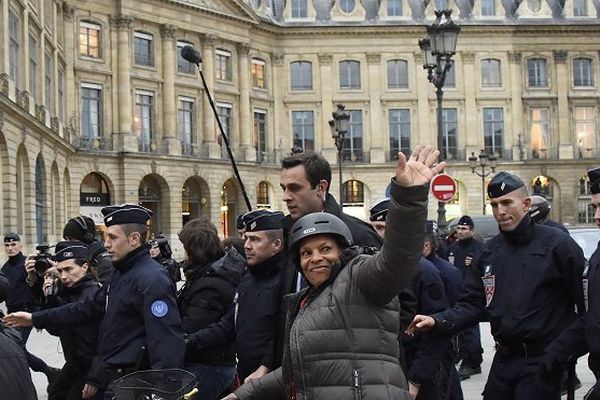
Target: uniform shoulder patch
x=159, y=308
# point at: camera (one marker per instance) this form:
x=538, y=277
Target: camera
x=42, y=259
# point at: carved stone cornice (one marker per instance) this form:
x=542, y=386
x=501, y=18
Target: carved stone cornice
x=419, y=57
x=40, y=113
x=54, y=124
x=373, y=58
x=277, y=58
x=325, y=58
x=167, y=31
x=121, y=21
x=467, y=56
x=23, y=99
x=515, y=56
x=244, y=48
x=560, y=56
x=68, y=11
x=209, y=40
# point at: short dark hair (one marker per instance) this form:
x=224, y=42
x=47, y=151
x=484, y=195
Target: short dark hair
x=316, y=166
x=142, y=229
x=236, y=242
x=432, y=240
x=201, y=241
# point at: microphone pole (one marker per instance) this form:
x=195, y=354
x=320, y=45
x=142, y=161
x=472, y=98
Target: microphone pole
x=190, y=54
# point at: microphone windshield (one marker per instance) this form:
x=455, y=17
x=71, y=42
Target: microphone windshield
x=190, y=54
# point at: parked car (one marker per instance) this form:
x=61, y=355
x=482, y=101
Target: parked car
x=587, y=239
x=486, y=226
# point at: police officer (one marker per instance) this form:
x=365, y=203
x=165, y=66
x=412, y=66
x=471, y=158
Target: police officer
x=251, y=320
x=161, y=252
x=72, y=280
x=540, y=208
x=140, y=327
x=424, y=354
x=84, y=229
x=582, y=336
x=461, y=254
x=529, y=289
x=21, y=298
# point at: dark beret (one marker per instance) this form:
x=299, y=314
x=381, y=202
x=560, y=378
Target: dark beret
x=503, y=183
x=71, y=249
x=466, y=220
x=263, y=221
x=126, y=214
x=11, y=237
x=379, y=210
x=594, y=175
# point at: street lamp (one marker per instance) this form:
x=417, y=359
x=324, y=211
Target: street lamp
x=485, y=160
x=339, y=128
x=438, y=48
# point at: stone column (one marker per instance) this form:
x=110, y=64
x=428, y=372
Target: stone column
x=376, y=139
x=518, y=138
x=473, y=133
x=565, y=142
x=282, y=142
x=246, y=124
x=323, y=132
x=25, y=58
x=423, y=129
x=70, y=48
x=126, y=139
x=210, y=147
x=170, y=142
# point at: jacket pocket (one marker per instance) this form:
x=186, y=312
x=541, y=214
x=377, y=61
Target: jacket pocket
x=356, y=385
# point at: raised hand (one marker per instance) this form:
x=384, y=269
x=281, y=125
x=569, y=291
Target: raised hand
x=418, y=169
x=19, y=319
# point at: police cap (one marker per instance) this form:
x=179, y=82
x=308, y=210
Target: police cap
x=594, y=175
x=503, y=183
x=379, y=210
x=239, y=222
x=11, y=237
x=263, y=221
x=70, y=249
x=465, y=220
x=125, y=214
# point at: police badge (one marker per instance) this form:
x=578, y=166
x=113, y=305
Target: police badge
x=489, y=284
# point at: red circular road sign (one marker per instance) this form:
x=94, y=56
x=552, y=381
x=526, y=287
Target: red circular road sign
x=443, y=187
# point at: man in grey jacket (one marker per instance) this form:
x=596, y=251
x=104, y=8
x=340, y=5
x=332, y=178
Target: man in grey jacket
x=341, y=330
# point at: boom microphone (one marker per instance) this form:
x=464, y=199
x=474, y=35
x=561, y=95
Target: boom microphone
x=190, y=54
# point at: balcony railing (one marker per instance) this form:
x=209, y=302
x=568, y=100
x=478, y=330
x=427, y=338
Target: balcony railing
x=189, y=149
x=356, y=156
x=147, y=146
x=95, y=144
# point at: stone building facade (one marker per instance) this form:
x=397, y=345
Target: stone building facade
x=97, y=105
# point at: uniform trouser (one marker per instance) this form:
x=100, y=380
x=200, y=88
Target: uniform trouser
x=469, y=344
x=516, y=378
x=69, y=384
x=35, y=363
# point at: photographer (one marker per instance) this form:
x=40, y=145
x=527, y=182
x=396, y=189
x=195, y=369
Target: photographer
x=84, y=229
x=70, y=280
x=160, y=251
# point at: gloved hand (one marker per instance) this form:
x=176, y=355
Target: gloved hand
x=190, y=344
x=551, y=366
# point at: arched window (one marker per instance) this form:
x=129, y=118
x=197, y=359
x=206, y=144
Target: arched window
x=397, y=74
x=347, y=5
x=262, y=195
x=301, y=75
x=490, y=73
x=583, y=74
x=537, y=74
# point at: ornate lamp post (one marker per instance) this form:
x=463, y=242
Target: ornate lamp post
x=339, y=128
x=438, y=48
x=485, y=160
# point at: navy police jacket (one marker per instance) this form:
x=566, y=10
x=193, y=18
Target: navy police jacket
x=461, y=249
x=530, y=286
x=20, y=296
x=138, y=309
x=451, y=277
x=582, y=336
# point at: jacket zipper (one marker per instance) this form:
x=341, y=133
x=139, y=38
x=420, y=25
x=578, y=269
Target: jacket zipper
x=356, y=384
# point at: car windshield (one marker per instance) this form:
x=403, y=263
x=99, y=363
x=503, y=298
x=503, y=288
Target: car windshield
x=587, y=239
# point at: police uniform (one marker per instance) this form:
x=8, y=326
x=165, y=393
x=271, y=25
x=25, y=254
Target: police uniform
x=140, y=327
x=582, y=336
x=251, y=320
x=529, y=289
x=469, y=340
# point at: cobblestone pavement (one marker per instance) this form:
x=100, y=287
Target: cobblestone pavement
x=48, y=348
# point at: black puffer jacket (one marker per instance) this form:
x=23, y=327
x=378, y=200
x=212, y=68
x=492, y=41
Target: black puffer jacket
x=205, y=298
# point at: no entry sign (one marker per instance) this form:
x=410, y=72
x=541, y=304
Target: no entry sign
x=443, y=187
